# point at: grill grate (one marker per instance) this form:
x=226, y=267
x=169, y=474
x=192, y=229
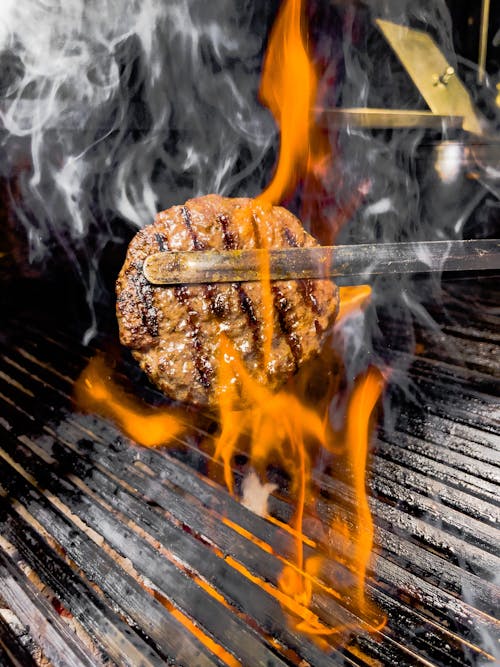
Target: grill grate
x=155, y=562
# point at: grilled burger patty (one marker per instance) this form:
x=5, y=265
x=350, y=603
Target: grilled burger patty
x=174, y=332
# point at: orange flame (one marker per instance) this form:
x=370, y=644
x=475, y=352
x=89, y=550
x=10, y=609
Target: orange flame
x=352, y=299
x=281, y=427
x=96, y=392
x=361, y=405
x=276, y=427
x=300, y=580
x=288, y=88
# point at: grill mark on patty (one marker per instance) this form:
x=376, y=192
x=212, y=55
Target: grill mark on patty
x=230, y=242
x=218, y=304
x=290, y=237
x=188, y=223
x=229, y=239
x=144, y=293
x=160, y=240
x=216, y=300
x=305, y=286
x=286, y=320
x=256, y=231
x=280, y=303
x=246, y=305
x=201, y=361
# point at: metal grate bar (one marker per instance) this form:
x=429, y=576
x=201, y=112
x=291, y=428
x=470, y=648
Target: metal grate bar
x=165, y=576
x=476, y=478
x=471, y=442
x=12, y=652
x=114, y=636
x=136, y=604
x=462, y=523
x=244, y=596
x=57, y=641
x=480, y=511
x=453, y=348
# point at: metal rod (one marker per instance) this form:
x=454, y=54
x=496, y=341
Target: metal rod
x=361, y=261
x=385, y=118
x=483, y=40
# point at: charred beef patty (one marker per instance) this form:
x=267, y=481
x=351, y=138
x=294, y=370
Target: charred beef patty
x=175, y=332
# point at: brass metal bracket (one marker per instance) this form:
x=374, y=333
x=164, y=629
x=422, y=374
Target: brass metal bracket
x=432, y=74
x=450, y=104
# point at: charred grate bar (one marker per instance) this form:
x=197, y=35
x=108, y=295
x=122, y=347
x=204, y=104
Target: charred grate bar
x=150, y=561
x=12, y=650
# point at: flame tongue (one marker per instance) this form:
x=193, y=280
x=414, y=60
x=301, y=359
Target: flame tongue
x=283, y=427
x=354, y=540
x=362, y=402
x=288, y=88
x=95, y=391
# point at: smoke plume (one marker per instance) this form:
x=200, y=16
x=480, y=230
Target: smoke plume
x=111, y=111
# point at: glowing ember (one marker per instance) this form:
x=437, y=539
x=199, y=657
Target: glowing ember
x=288, y=88
x=205, y=639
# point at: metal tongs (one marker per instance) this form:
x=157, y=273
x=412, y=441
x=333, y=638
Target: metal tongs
x=352, y=262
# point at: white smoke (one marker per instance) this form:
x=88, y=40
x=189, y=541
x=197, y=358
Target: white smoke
x=114, y=109
x=255, y=494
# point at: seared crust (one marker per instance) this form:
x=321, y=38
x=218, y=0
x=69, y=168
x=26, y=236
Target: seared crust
x=174, y=332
